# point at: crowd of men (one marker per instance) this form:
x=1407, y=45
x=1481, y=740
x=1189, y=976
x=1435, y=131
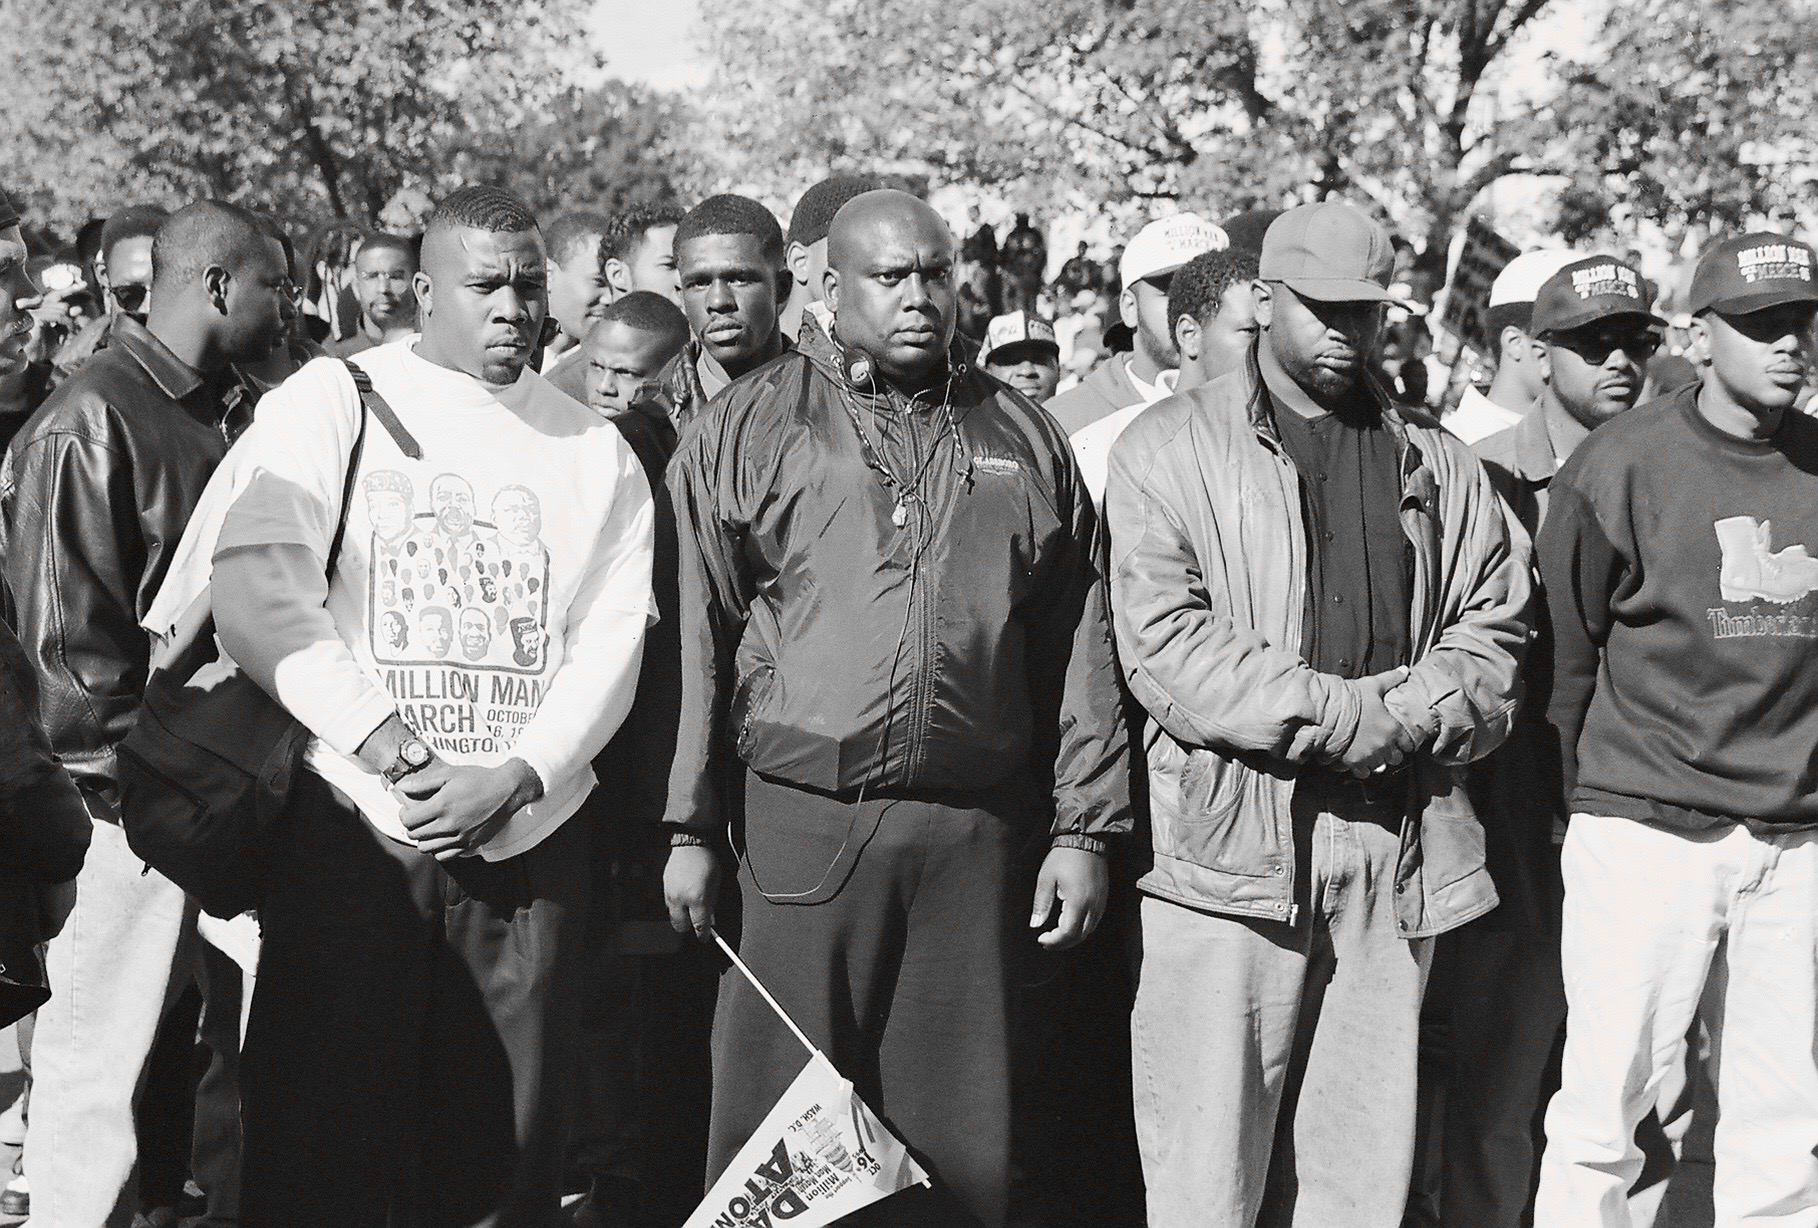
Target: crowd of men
x=1221, y=792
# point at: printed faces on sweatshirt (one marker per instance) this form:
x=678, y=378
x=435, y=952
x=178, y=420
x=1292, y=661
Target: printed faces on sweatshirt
x=458, y=570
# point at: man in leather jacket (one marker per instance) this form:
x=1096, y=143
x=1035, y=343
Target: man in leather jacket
x=94, y=495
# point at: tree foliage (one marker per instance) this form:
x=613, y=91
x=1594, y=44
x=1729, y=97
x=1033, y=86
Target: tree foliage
x=1397, y=102
x=609, y=147
x=1696, y=115
x=314, y=107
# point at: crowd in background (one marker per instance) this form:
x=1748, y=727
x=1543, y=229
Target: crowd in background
x=1230, y=628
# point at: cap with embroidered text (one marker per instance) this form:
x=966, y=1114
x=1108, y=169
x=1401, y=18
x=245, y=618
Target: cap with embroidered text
x=1166, y=244
x=1018, y=329
x=1751, y=272
x=1588, y=290
x=1331, y=252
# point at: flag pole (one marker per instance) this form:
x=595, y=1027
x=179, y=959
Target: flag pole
x=765, y=994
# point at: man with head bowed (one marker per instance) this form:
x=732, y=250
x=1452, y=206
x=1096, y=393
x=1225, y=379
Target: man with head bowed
x=413, y=1039
x=897, y=666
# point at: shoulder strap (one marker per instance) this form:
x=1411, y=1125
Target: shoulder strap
x=388, y=418
x=347, y=493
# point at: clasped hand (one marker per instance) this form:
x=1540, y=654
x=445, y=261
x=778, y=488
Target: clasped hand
x=451, y=810
x=1381, y=741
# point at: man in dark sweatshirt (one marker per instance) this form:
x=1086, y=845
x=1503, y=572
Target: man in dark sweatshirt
x=1683, y=599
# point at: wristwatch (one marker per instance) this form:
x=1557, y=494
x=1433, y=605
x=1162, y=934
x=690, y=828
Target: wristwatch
x=413, y=756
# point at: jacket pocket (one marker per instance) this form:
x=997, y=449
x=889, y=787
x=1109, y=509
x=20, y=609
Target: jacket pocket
x=1210, y=786
x=1451, y=848
x=751, y=702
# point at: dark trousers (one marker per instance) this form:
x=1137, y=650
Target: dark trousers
x=410, y=1050
x=215, y=1148
x=901, y=977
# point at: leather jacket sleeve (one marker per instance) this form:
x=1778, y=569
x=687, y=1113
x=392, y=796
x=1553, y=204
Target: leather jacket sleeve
x=44, y=827
x=1208, y=680
x=1461, y=694
x=1075, y=695
x=75, y=558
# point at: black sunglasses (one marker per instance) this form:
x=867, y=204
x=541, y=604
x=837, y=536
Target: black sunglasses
x=1596, y=347
x=131, y=296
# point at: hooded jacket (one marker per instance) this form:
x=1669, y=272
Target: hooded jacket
x=928, y=634
x=1209, y=572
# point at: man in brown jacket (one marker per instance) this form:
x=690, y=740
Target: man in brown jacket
x=1322, y=635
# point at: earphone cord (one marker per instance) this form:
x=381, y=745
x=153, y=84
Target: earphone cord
x=922, y=540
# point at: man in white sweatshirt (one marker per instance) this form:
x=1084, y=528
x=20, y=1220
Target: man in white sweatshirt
x=414, y=1029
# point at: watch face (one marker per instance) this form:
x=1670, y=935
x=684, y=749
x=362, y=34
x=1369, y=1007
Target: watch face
x=414, y=753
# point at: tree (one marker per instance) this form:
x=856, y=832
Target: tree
x=314, y=107
x=608, y=148
x=1175, y=99
x=1403, y=104
x=1696, y=114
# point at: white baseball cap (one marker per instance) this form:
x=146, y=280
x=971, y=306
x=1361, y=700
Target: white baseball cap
x=1522, y=277
x=1166, y=244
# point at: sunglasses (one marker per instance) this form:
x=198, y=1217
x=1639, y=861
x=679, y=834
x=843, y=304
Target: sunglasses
x=130, y=297
x=1596, y=347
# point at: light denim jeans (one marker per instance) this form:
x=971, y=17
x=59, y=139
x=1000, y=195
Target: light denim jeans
x=114, y=968
x=1275, y=1062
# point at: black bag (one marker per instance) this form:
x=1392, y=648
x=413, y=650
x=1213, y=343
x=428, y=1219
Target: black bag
x=207, y=770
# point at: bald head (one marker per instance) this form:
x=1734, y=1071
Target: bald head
x=890, y=285
x=869, y=219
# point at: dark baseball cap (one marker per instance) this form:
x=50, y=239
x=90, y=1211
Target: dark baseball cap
x=1587, y=291
x=1754, y=271
x=1331, y=252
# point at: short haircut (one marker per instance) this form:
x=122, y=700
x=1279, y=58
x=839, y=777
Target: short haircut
x=1198, y=286
x=207, y=233
x=628, y=228
x=1506, y=315
x=273, y=225
x=569, y=232
x=727, y=214
x=813, y=215
x=648, y=313
x=132, y=222
x=380, y=241
x=480, y=207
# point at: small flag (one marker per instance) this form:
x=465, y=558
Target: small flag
x=819, y=1155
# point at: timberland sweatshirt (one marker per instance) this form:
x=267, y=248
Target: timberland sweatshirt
x=1683, y=593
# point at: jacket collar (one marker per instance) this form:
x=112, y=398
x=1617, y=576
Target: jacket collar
x=1533, y=459
x=1261, y=409
x=826, y=352
x=174, y=377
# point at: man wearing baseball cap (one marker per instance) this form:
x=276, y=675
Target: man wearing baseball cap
x=1022, y=350
x=1144, y=376
x=1683, y=598
x=1496, y=981
x=1516, y=386
x=1318, y=601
